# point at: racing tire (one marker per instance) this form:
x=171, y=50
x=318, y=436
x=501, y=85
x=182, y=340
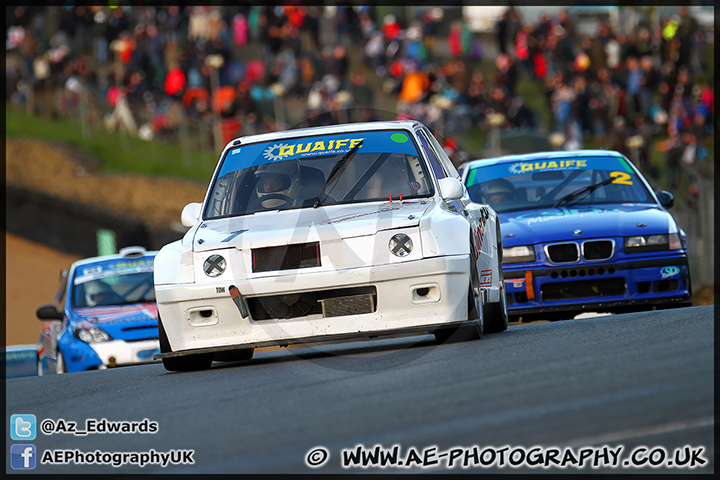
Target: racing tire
x=496, y=314
x=234, y=355
x=476, y=309
x=186, y=363
x=475, y=314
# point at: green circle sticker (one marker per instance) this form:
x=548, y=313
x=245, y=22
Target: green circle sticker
x=399, y=137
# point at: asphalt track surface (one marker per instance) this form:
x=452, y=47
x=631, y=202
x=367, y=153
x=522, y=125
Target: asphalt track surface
x=642, y=379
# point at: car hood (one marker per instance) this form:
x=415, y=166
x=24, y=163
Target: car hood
x=557, y=224
x=123, y=322
x=328, y=223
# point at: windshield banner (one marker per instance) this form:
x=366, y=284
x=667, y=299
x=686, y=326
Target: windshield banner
x=112, y=268
x=503, y=170
x=305, y=147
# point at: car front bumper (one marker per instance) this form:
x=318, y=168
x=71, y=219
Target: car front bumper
x=399, y=307
x=602, y=286
x=118, y=353
x=80, y=356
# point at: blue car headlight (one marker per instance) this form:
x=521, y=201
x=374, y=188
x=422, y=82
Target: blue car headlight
x=521, y=254
x=652, y=243
x=91, y=334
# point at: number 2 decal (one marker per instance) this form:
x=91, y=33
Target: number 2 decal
x=621, y=178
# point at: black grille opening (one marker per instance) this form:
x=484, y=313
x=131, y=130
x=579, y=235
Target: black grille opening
x=644, y=287
x=139, y=327
x=521, y=297
x=666, y=286
x=286, y=257
x=509, y=298
x=563, y=253
x=598, y=250
x=579, y=272
x=303, y=304
x=584, y=289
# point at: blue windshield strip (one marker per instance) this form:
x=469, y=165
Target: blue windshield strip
x=252, y=155
x=508, y=170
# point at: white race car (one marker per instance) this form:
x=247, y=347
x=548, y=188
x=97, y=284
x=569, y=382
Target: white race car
x=328, y=234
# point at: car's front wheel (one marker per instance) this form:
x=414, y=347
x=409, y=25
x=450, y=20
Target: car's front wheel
x=475, y=314
x=185, y=363
x=476, y=309
x=496, y=314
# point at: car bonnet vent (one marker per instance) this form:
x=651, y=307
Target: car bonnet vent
x=286, y=257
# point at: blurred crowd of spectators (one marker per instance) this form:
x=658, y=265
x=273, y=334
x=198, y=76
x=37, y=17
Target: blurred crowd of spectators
x=621, y=90
x=157, y=63
x=615, y=86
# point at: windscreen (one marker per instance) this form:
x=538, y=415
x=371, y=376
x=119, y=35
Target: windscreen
x=318, y=170
x=113, y=282
x=556, y=182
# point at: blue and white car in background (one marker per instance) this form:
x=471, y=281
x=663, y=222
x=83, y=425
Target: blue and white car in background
x=581, y=231
x=104, y=315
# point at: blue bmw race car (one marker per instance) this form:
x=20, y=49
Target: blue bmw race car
x=104, y=315
x=581, y=231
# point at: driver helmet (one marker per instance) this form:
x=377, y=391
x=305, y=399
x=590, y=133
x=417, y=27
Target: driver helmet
x=281, y=178
x=499, y=187
x=98, y=293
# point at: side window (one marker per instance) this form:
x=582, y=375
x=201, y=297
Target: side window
x=434, y=162
x=442, y=156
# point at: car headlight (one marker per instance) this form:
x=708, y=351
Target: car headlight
x=523, y=253
x=400, y=245
x=652, y=243
x=92, y=335
x=214, y=265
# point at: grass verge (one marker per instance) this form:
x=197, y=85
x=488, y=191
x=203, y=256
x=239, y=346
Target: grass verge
x=116, y=152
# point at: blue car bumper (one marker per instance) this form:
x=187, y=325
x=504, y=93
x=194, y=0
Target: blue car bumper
x=78, y=356
x=606, y=287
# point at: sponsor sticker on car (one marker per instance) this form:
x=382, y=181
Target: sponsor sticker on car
x=669, y=272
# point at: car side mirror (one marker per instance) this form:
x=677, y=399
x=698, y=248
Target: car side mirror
x=665, y=198
x=48, y=312
x=191, y=214
x=450, y=188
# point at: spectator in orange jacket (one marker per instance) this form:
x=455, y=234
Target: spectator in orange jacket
x=414, y=85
